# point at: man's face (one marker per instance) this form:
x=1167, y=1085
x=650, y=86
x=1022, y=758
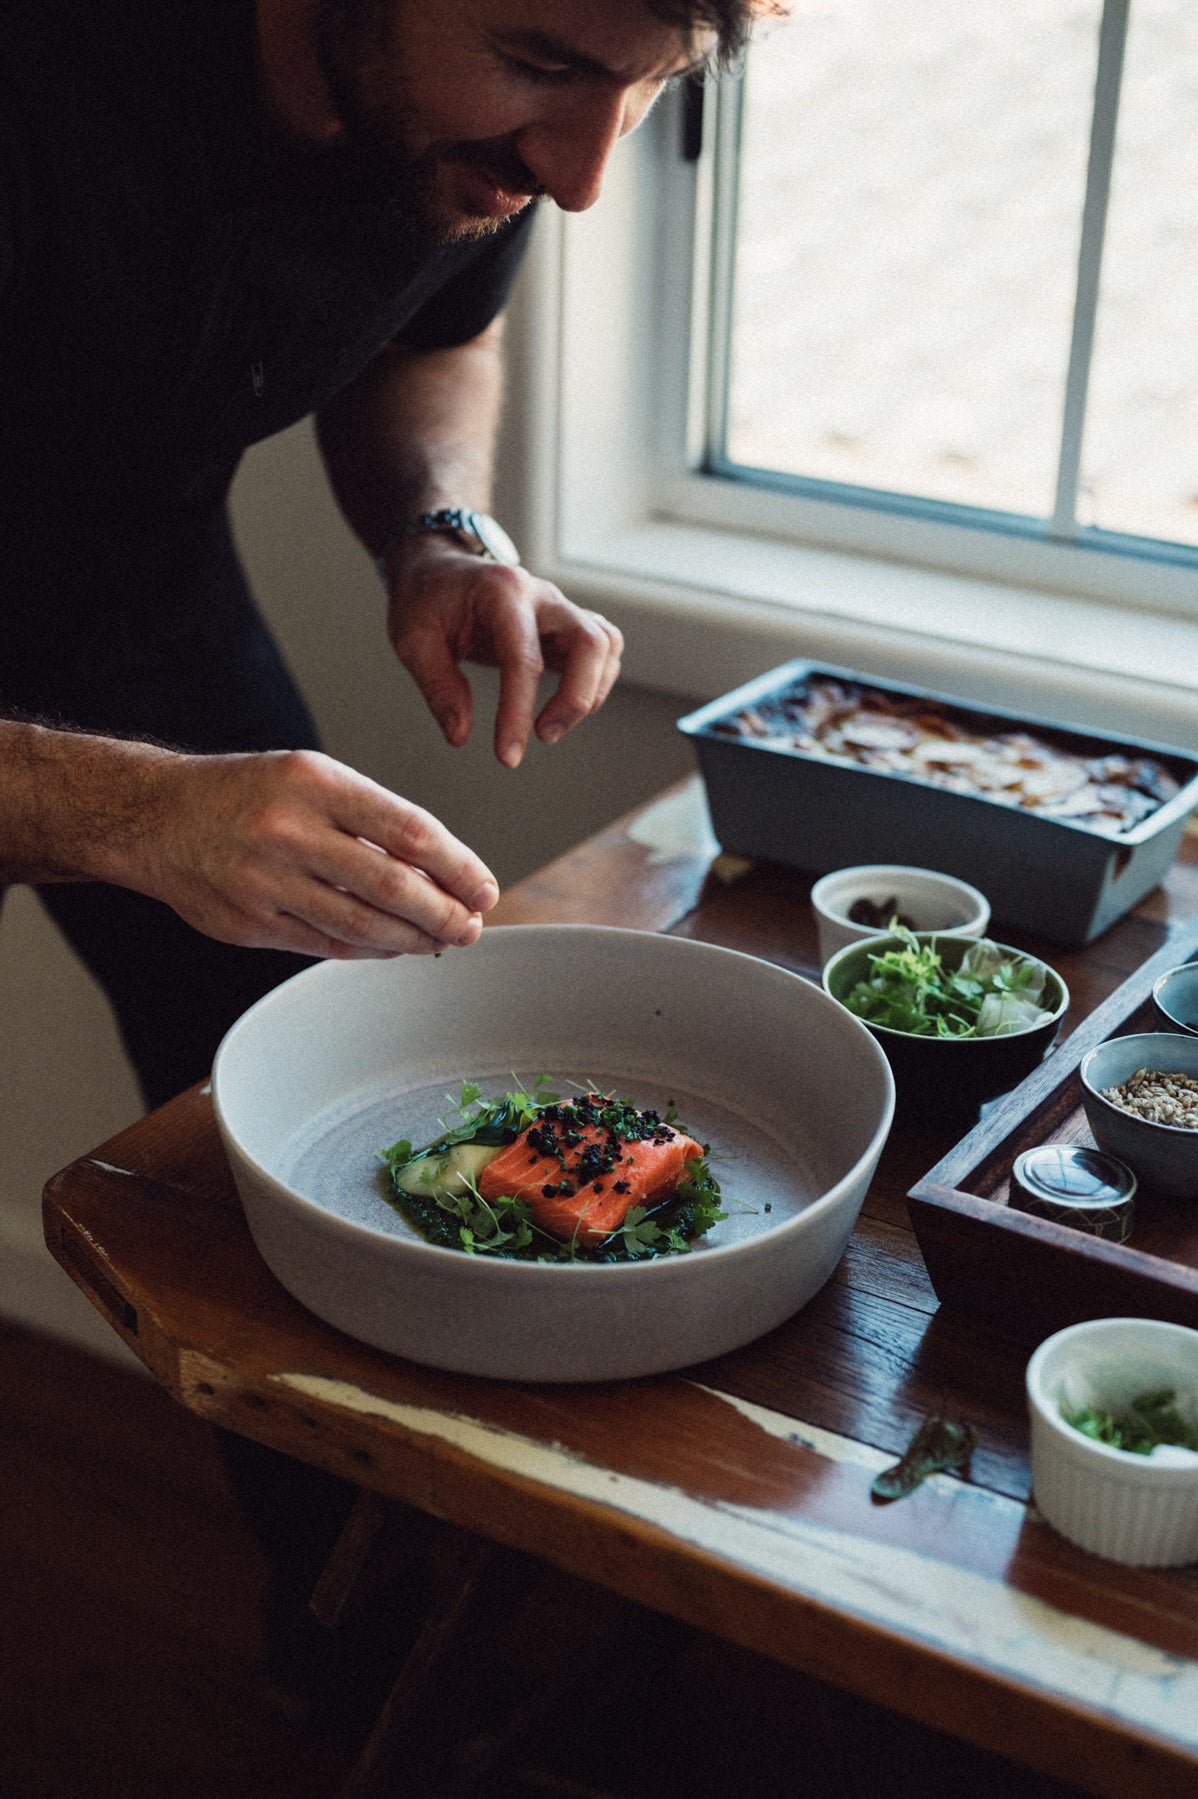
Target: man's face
x=473, y=108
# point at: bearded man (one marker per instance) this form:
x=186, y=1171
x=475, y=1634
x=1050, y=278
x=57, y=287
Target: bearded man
x=216, y=218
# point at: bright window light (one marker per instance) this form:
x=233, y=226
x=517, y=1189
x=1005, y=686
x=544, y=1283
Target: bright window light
x=963, y=254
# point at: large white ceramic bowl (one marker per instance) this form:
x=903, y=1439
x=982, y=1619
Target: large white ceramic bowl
x=790, y=1090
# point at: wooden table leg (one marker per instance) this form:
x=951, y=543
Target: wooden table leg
x=378, y=1540
x=504, y=1644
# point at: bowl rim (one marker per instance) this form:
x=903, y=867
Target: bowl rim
x=871, y=870
x=659, y=1268
x=888, y=937
x=1089, y=1090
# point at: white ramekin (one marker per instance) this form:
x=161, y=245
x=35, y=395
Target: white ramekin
x=933, y=902
x=1141, y=1510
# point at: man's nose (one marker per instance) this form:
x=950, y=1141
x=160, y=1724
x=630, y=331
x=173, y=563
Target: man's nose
x=568, y=150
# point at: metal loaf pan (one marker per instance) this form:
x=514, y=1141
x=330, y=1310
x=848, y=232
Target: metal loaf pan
x=1052, y=876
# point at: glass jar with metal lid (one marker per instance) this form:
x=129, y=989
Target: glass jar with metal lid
x=1071, y=1184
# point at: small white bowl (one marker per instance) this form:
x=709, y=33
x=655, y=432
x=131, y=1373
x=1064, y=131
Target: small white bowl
x=932, y=901
x=1137, y=1509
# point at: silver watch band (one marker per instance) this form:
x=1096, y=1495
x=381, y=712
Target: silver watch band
x=476, y=531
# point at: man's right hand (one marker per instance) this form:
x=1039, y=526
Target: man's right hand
x=286, y=850
x=295, y=851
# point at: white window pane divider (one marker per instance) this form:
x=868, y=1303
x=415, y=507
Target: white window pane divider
x=712, y=320
x=1108, y=81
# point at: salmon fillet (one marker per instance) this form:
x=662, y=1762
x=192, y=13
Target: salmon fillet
x=582, y=1166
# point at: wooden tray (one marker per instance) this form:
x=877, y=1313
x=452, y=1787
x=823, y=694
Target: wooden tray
x=1025, y=1274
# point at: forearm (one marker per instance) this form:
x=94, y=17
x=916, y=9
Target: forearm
x=415, y=432
x=73, y=806
x=286, y=849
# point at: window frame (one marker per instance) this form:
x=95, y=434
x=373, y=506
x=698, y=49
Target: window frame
x=709, y=572
x=1061, y=526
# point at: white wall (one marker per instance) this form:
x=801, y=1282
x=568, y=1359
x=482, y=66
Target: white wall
x=64, y=1083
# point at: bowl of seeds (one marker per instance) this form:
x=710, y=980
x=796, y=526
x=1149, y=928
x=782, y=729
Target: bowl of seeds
x=1140, y=1095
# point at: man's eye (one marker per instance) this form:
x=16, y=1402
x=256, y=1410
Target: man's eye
x=543, y=73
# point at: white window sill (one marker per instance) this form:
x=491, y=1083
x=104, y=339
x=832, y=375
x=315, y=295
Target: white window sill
x=704, y=610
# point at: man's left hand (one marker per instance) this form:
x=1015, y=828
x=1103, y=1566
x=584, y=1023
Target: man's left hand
x=448, y=606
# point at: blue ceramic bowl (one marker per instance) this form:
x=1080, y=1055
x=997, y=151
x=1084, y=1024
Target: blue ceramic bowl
x=1163, y=1157
x=1175, y=999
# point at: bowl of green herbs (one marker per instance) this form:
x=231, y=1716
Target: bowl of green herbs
x=1113, y=1404
x=960, y=1021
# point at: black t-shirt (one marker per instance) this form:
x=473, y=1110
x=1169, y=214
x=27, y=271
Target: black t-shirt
x=168, y=298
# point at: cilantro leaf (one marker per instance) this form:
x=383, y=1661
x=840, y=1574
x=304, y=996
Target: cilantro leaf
x=1151, y=1418
x=936, y=1447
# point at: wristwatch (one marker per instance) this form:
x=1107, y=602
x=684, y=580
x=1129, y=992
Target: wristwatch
x=475, y=531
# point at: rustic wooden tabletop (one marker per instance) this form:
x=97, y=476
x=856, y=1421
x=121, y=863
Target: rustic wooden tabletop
x=735, y=1496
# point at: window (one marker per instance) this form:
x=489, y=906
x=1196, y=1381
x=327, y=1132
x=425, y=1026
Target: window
x=934, y=292
x=901, y=369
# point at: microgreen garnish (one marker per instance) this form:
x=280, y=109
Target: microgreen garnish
x=1150, y=1418
x=991, y=994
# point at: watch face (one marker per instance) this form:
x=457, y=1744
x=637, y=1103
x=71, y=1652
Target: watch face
x=493, y=537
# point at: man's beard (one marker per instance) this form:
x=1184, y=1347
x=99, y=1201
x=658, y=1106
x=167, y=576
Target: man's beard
x=374, y=154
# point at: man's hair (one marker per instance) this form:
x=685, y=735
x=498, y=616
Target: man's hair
x=731, y=20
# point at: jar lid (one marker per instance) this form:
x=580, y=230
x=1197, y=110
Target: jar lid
x=1074, y=1185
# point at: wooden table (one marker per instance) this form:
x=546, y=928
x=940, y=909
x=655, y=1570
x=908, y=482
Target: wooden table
x=735, y=1497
